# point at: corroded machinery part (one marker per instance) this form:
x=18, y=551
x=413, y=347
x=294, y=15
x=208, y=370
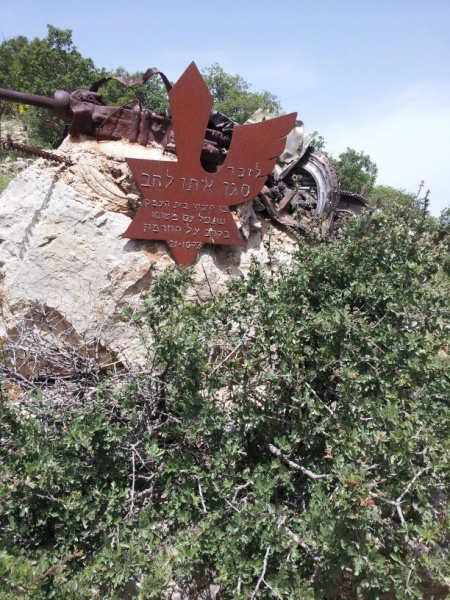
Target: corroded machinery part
x=351, y=203
x=308, y=188
x=315, y=171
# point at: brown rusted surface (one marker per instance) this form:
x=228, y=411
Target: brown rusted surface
x=37, y=152
x=220, y=164
x=90, y=116
x=22, y=98
x=351, y=203
x=187, y=206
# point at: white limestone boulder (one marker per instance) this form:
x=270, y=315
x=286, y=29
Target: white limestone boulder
x=62, y=256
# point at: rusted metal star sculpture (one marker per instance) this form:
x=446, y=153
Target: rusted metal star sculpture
x=186, y=206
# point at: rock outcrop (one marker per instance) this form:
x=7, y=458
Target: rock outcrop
x=62, y=256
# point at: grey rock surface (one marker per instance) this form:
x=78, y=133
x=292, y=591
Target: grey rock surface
x=61, y=247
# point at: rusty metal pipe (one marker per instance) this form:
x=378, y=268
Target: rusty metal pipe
x=21, y=98
x=91, y=117
x=59, y=104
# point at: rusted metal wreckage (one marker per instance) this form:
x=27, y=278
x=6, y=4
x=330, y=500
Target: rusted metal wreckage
x=219, y=164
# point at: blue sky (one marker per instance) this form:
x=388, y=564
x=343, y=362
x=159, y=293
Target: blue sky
x=373, y=75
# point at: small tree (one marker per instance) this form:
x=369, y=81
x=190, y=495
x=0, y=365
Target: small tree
x=42, y=66
x=357, y=171
x=232, y=96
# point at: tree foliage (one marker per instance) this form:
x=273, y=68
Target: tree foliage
x=42, y=66
x=357, y=171
x=288, y=439
x=232, y=96
x=153, y=94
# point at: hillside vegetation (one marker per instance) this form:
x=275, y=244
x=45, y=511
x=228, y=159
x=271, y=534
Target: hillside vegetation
x=288, y=438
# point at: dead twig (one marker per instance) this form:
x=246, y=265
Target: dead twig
x=263, y=572
x=295, y=466
x=398, y=502
x=201, y=495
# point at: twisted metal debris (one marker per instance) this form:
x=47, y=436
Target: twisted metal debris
x=303, y=185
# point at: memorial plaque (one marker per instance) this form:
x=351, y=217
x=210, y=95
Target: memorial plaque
x=187, y=206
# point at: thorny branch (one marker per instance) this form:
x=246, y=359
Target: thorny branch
x=263, y=572
x=316, y=395
x=262, y=579
x=293, y=465
x=44, y=349
x=235, y=349
x=201, y=495
x=55, y=568
x=133, y=478
x=297, y=540
x=412, y=482
x=398, y=502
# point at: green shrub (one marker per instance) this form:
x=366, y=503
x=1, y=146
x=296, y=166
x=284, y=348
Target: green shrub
x=289, y=439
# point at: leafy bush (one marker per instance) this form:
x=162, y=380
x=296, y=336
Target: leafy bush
x=288, y=439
